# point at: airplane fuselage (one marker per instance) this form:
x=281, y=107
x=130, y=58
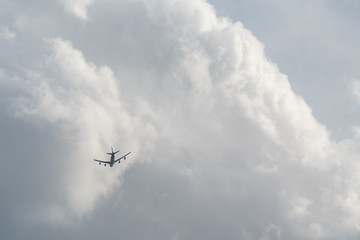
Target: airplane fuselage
x=112, y=159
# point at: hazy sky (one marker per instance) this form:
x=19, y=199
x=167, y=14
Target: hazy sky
x=241, y=116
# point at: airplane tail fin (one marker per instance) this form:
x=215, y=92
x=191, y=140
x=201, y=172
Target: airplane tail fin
x=112, y=151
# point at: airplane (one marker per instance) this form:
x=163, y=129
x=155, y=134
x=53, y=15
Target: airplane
x=112, y=158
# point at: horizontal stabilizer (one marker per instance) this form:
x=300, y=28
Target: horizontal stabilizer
x=113, y=153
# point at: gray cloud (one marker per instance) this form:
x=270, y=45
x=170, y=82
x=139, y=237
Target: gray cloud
x=221, y=145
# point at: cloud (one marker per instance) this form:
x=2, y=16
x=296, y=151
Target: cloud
x=221, y=145
x=78, y=7
x=7, y=34
x=82, y=102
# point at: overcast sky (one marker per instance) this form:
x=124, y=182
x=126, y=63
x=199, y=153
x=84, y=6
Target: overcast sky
x=241, y=116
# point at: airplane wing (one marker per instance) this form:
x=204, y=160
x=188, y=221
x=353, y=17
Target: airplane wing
x=123, y=157
x=106, y=162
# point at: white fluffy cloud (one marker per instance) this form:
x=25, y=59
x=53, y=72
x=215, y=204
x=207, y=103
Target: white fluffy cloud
x=77, y=7
x=221, y=145
x=83, y=102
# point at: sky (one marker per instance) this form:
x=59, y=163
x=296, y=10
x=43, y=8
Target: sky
x=241, y=118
